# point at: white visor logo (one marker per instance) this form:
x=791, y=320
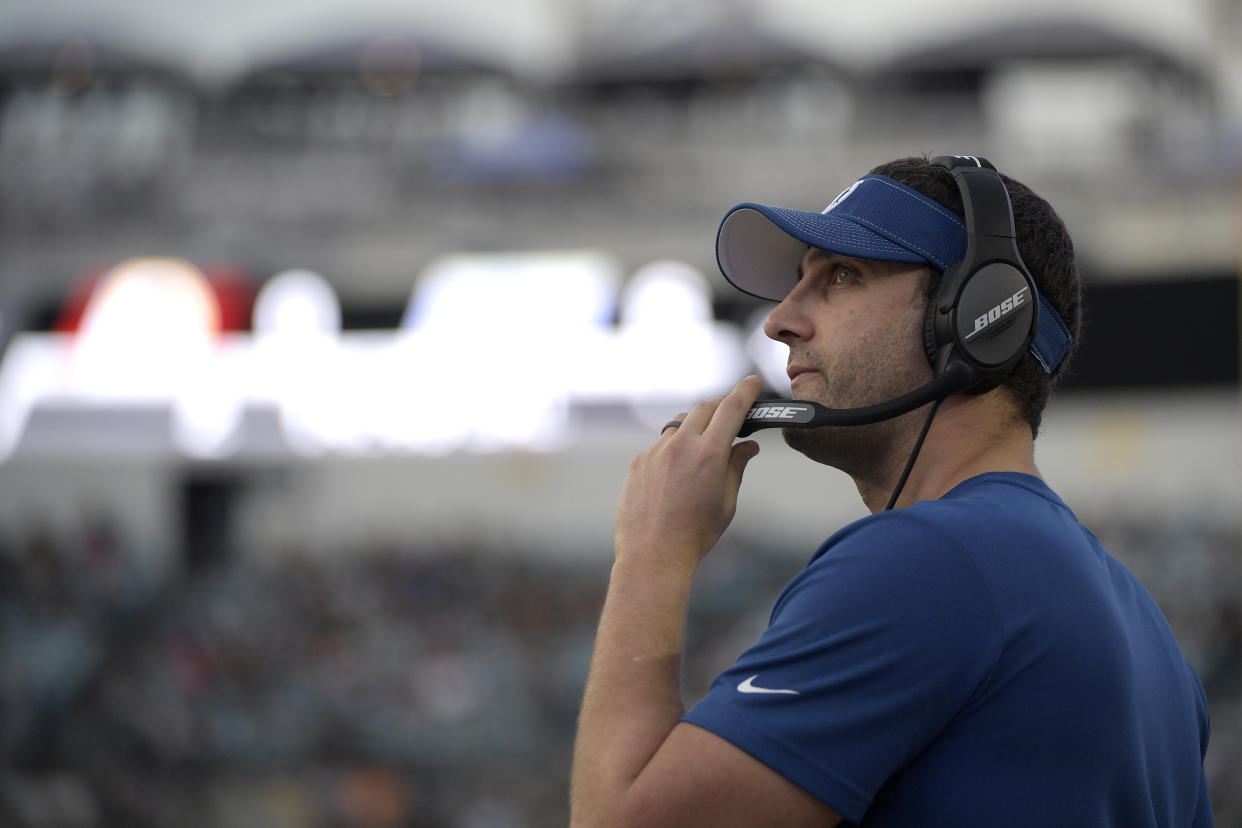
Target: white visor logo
x=844, y=195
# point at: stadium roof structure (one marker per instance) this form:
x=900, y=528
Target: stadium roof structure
x=54, y=53
x=725, y=47
x=394, y=48
x=1063, y=39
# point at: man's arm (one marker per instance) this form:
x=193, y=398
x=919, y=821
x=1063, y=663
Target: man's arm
x=634, y=765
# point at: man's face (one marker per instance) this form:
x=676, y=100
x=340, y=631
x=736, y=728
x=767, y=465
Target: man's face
x=855, y=334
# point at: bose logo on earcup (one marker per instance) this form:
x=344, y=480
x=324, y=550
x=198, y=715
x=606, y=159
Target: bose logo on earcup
x=1003, y=309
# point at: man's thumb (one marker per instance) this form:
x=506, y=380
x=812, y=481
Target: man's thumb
x=742, y=454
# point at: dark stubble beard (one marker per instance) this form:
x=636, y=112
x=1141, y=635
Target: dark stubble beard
x=872, y=372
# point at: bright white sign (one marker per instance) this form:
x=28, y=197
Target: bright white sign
x=495, y=352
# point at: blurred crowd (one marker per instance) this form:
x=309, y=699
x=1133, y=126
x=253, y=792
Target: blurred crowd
x=402, y=685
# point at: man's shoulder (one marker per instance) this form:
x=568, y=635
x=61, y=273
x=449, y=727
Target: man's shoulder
x=913, y=546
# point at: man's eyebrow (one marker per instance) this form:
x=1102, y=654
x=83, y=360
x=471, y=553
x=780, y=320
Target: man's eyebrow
x=813, y=255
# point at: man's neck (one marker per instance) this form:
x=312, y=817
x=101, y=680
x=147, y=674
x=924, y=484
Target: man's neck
x=969, y=436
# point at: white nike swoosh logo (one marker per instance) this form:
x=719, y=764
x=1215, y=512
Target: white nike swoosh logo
x=748, y=686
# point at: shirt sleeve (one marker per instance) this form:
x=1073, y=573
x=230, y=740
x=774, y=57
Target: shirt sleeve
x=871, y=651
x=1203, y=810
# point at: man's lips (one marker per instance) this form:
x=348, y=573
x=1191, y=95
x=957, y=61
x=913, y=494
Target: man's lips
x=797, y=371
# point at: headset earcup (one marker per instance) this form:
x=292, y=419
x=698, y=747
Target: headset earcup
x=984, y=313
x=994, y=317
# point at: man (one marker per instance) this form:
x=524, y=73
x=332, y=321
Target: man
x=967, y=655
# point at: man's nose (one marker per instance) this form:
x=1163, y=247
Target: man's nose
x=789, y=320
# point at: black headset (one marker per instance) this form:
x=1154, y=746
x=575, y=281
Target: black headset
x=985, y=312
x=978, y=326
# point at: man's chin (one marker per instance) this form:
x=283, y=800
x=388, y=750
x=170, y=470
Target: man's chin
x=808, y=441
x=847, y=448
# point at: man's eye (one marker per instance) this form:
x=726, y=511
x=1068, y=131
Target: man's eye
x=844, y=276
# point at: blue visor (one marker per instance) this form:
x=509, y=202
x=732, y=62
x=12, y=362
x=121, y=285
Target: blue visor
x=759, y=247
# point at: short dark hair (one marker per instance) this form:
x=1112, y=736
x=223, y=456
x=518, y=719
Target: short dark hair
x=1048, y=252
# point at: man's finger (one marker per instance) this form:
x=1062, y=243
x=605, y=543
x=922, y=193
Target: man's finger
x=699, y=417
x=731, y=412
x=673, y=424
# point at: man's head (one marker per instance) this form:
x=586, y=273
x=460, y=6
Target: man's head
x=854, y=331
x=910, y=211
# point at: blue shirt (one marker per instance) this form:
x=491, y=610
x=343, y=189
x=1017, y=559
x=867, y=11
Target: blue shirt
x=977, y=660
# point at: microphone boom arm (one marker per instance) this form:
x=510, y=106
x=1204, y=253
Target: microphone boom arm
x=806, y=414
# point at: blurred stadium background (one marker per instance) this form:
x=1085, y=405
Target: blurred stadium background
x=327, y=330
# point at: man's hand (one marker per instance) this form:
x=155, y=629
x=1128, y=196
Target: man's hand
x=681, y=494
x=633, y=763
x=678, y=498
